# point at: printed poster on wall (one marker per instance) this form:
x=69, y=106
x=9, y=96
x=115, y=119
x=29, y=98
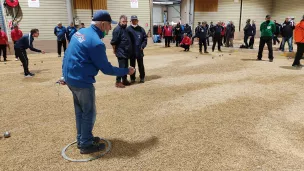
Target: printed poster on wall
x=134, y=3
x=33, y=3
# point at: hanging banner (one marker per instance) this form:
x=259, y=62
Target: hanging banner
x=33, y=3
x=134, y=3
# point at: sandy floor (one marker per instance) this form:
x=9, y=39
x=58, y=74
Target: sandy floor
x=195, y=112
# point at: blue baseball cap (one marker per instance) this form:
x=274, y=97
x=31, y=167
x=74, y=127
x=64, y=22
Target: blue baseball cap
x=103, y=15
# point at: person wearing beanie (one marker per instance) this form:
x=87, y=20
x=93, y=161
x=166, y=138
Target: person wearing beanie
x=267, y=29
x=299, y=39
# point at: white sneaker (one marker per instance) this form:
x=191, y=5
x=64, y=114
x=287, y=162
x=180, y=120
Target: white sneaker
x=16, y=59
x=28, y=76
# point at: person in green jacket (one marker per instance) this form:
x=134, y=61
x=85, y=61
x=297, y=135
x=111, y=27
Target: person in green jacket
x=267, y=29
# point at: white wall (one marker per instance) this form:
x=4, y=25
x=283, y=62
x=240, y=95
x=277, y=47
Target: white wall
x=157, y=14
x=283, y=9
x=174, y=13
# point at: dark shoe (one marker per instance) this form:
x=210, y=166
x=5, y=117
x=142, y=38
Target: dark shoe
x=206, y=52
x=96, y=140
x=93, y=148
x=5, y=60
x=185, y=50
x=270, y=60
x=132, y=81
x=259, y=59
x=126, y=83
x=142, y=81
x=220, y=50
x=59, y=56
x=120, y=85
x=31, y=74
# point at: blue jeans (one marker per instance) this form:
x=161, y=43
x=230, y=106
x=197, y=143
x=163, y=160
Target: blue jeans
x=85, y=111
x=289, y=41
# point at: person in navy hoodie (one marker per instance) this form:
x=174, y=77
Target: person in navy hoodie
x=139, y=42
x=20, y=47
x=71, y=30
x=85, y=56
x=60, y=32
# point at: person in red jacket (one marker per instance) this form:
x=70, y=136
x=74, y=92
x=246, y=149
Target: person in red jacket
x=3, y=43
x=167, y=34
x=16, y=34
x=299, y=39
x=223, y=38
x=186, y=42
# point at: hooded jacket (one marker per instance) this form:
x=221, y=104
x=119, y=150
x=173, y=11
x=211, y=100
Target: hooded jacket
x=299, y=32
x=287, y=29
x=85, y=56
x=122, y=41
x=138, y=38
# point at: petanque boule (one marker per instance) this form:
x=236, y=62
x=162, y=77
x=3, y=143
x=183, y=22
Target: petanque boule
x=7, y=134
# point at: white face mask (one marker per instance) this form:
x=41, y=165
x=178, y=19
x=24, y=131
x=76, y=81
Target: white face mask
x=134, y=25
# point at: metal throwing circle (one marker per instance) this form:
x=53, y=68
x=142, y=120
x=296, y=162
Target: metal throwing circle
x=88, y=159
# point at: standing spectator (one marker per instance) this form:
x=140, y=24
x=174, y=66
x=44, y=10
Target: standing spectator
x=196, y=32
x=248, y=32
x=3, y=43
x=202, y=34
x=230, y=30
x=217, y=30
x=71, y=30
x=211, y=31
x=188, y=30
x=81, y=26
x=167, y=34
x=223, y=38
x=16, y=34
x=60, y=32
x=277, y=33
x=186, y=42
x=122, y=47
x=208, y=27
x=139, y=42
x=251, y=38
x=299, y=39
x=267, y=29
x=287, y=34
x=178, y=33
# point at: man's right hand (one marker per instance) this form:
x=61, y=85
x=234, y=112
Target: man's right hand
x=43, y=52
x=131, y=71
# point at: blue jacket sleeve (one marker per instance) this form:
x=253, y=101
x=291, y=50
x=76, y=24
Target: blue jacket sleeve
x=99, y=57
x=116, y=37
x=144, y=43
x=32, y=48
x=55, y=31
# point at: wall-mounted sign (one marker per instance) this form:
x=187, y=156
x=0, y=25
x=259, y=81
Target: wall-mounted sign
x=134, y=3
x=33, y=3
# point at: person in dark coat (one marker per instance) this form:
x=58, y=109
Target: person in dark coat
x=202, y=34
x=230, y=34
x=217, y=30
x=60, y=33
x=208, y=27
x=139, y=42
x=248, y=32
x=196, y=31
x=178, y=34
x=188, y=30
x=277, y=33
x=251, y=38
x=287, y=34
x=211, y=31
x=122, y=48
x=71, y=30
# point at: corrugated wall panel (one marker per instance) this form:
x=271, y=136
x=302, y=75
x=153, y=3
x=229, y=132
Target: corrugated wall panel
x=227, y=10
x=2, y=25
x=283, y=9
x=45, y=18
x=255, y=10
x=117, y=8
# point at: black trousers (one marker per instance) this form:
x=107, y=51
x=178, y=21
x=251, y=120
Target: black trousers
x=59, y=45
x=193, y=39
x=122, y=63
x=275, y=39
x=186, y=47
x=217, y=40
x=201, y=43
x=251, y=41
x=246, y=41
x=15, y=50
x=3, y=49
x=208, y=41
x=178, y=40
x=299, y=54
x=141, y=68
x=21, y=53
x=167, y=41
x=263, y=41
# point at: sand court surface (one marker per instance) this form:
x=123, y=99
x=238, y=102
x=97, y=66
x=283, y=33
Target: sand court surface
x=217, y=111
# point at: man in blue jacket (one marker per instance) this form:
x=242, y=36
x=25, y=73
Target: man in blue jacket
x=85, y=56
x=122, y=48
x=71, y=30
x=20, y=47
x=60, y=32
x=139, y=42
